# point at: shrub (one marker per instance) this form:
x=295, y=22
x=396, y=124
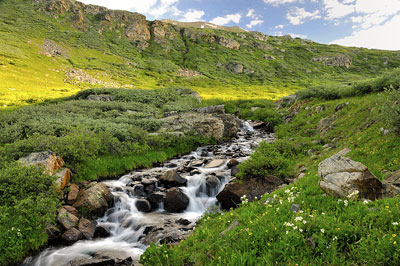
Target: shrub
x=28, y=204
x=391, y=109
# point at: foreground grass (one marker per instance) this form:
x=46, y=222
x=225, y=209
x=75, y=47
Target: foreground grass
x=327, y=230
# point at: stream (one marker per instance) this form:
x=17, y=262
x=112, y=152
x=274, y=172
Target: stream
x=131, y=231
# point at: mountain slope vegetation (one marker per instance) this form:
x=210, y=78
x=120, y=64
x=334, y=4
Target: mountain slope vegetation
x=52, y=48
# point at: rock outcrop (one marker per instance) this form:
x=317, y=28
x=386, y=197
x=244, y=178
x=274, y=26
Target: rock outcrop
x=336, y=61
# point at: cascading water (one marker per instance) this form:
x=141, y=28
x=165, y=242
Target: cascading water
x=127, y=225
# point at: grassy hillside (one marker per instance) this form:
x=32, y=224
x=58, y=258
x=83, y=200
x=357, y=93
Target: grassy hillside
x=327, y=230
x=94, y=50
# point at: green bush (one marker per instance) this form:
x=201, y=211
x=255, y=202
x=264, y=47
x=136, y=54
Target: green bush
x=267, y=160
x=28, y=204
x=391, y=110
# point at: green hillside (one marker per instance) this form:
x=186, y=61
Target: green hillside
x=50, y=49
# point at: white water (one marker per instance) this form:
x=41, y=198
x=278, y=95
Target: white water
x=127, y=224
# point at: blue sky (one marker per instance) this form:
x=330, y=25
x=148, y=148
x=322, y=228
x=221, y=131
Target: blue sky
x=362, y=23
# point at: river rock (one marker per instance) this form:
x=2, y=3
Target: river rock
x=71, y=210
x=48, y=159
x=95, y=200
x=72, y=235
x=215, y=163
x=156, y=198
x=196, y=163
x=53, y=231
x=212, y=184
x=87, y=228
x=63, y=177
x=66, y=219
x=102, y=231
x=173, y=178
x=143, y=205
x=232, y=163
x=344, y=178
x=235, y=171
x=230, y=125
x=176, y=200
x=253, y=188
x=72, y=194
x=138, y=190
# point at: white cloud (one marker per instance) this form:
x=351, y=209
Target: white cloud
x=250, y=13
x=281, y=2
x=254, y=23
x=279, y=26
x=192, y=15
x=378, y=37
x=227, y=19
x=299, y=15
x=335, y=9
x=298, y=36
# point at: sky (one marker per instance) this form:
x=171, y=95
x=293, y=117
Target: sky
x=361, y=23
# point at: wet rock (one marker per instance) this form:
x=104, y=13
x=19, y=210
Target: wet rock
x=235, y=171
x=172, y=178
x=138, y=190
x=232, y=163
x=171, y=165
x=72, y=235
x=196, y=163
x=156, y=198
x=53, y=231
x=215, y=163
x=95, y=200
x=253, y=188
x=212, y=184
x=102, y=231
x=344, y=178
x=48, y=159
x=259, y=125
x=66, y=219
x=176, y=200
x=72, y=194
x=149, y=181
x=143, y=205
x=87, y=228
x=183, y=221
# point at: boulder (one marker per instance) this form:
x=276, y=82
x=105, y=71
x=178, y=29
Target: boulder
x=235, y=170
x=259, y=125
x=235, y=68
x=212, y=184
x=213, y=109
x=176, y=200
x=344, y=178
x=172, y=178
x=72, y=194
x=228, y=43
x=253, y=188
x=95, y=200
x=71, y=210
x=72, y=235
x=143, y=205
x=53, y=231
x=232, y=163
x=335, y=61
x=48, y=159
x=102, y=231
x=230, y=125
x=156, y=198
x=87, y=228
x=202, y=124
x=215, y=163
x=66, y=219
x=63, y=177
x=138, y=190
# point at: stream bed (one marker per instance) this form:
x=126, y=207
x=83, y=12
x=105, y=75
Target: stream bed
x=131, y=230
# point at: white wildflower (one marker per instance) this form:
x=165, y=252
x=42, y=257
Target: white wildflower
x=322, y=230
x=298, y=218
x=395, y=223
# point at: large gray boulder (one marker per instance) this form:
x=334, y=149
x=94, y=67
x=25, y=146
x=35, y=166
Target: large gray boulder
x=173, y=178
x=344, y=178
